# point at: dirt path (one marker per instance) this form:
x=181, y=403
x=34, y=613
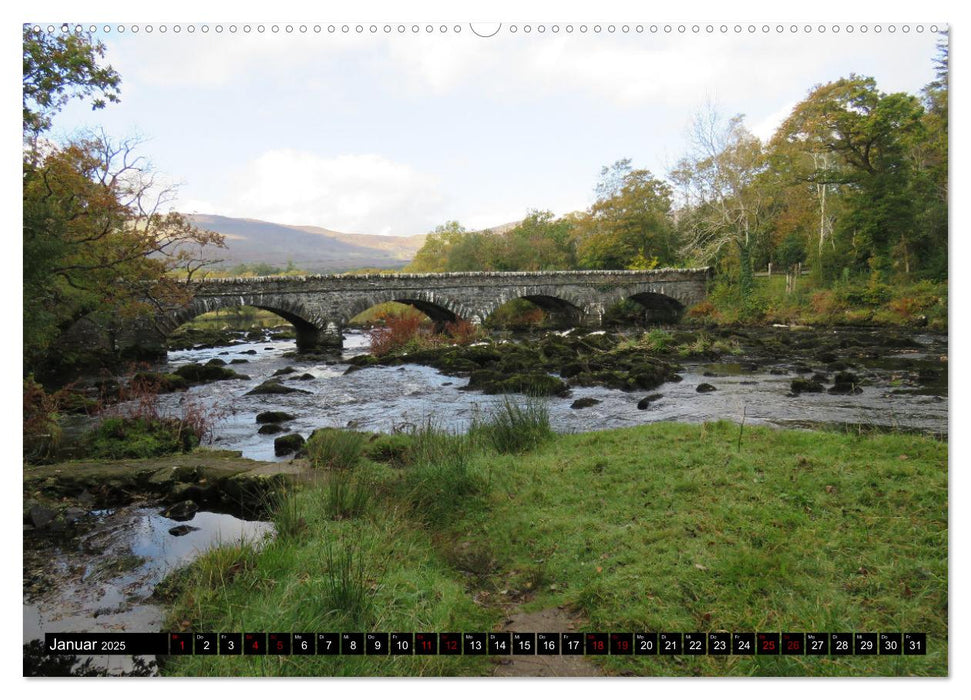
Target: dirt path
x=550, y=620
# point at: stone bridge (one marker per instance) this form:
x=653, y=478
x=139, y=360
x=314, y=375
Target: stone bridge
x=320, y=306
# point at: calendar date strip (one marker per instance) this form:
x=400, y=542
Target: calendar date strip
x=490, y=643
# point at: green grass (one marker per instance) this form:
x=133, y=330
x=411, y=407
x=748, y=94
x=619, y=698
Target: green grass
x=661, y=527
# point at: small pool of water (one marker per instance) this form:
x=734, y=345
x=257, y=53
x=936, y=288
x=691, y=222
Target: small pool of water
x=103, y=580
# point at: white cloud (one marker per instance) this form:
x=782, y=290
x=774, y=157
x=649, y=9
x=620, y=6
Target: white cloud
x=354, y=193
x=765, y=127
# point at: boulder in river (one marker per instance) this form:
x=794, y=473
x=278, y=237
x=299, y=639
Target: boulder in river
x=41, y=516
x=201, y=374
x=846, y=383
x=285, y=370
x=273, y=386
x=647, y=400
x=584, y=403
x=809, y=385
x=271, y=429
x=704, y=388
x=274, y=417
x=288, y=444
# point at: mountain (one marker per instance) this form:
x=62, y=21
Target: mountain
x=310, y=248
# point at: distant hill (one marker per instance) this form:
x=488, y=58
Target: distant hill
x=310, y=248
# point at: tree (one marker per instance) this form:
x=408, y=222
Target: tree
x=930, y=182
x=629, y=225
x=97, y=240
x=539, y=242
x=434, y=253
x=58, y=67
x=728, y=208
x=858, y=139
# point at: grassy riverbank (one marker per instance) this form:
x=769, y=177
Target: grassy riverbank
x=660, y=527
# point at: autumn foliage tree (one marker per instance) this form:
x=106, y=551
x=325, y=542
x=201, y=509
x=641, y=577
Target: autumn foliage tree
x=97, y=236
x=849, y=135
x=629, y=225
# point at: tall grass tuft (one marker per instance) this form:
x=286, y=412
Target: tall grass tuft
x=288, y=519
x=515, y=426
x=334, y=448
x=346, y=496
x=441, y=475
x=346, y=586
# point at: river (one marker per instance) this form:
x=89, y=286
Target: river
x=898, y=392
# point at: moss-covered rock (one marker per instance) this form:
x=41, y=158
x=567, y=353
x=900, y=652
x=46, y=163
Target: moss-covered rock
x=274, y=417
x=846, y=383
x=805, y=385
x=534, y=384
x=273, y=386
x=202, y=374
x=394, y=450
x=119, y=438
x=287, y=444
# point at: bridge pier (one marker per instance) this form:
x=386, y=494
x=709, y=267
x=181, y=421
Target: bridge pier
x=313, y=339
x=592, y=316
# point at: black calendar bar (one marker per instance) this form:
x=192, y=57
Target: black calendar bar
x=384, y=644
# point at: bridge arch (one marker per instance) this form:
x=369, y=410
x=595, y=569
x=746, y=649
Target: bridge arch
x=658, y=305
x=438, y=308
x=565, y=307
x=308, y=326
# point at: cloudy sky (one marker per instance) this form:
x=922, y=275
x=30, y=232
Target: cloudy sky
x=398, y=132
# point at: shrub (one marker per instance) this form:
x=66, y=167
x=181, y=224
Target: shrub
x=394, y=450
x=41, y=430
x=657, y=340
x=288, y=519
x=334, y=448
x=702, y=310
x=397, y=333
x=464, y=332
